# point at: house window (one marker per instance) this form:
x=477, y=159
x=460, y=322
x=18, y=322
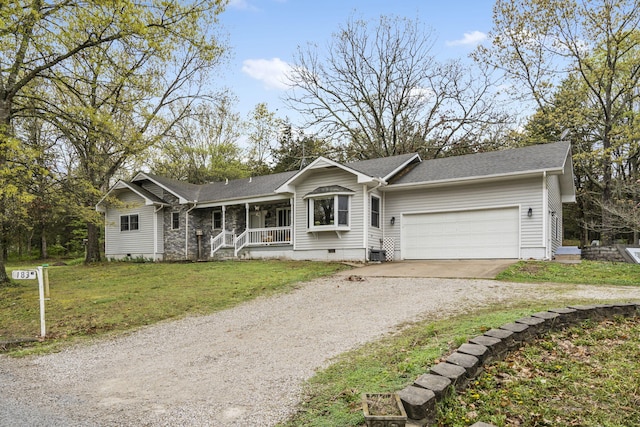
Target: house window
x=375, y=211
x=175, y=220
x=284, y=217
x=323, y=211
x=217, y=220
x=129, y=222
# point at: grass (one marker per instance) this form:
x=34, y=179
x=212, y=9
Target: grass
x=89, y=301
x=587, y=272
x=581, y=376
x=116, y=297
x=332, y=396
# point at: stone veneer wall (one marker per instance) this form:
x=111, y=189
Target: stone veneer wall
x=466, y=362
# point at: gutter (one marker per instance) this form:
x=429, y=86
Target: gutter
x=186, y=231
x=367, y=224
x=155, y=231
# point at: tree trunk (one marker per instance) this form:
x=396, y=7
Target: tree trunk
x=93, y=243
x=4, y=279
x=43, y=239
x=5, y=121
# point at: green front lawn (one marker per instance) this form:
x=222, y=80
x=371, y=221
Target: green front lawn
x=116, y=297
x=333, y=394
x=587, y=273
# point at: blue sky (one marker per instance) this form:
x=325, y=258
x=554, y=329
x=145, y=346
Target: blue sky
x=264, y=34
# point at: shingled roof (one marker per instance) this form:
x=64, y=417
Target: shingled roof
x=534, y=158
x=537, y=158
x=219, y=191
x=182, y=189
x=382, y=167
x=243, y=188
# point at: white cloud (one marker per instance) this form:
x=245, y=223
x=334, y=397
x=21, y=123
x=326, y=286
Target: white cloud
x=472, y=38
x=242, y=5
x=238, y=4
x=272, y=72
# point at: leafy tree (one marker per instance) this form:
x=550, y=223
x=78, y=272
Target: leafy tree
x=203, y=148
x=378, y=91
x=50, y=42
x=295, y=150
x=262, y=126
x=596, y=43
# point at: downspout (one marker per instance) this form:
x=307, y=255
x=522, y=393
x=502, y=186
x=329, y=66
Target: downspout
x=367, y=214
x=292, y=205
x=545, y=214
x=155, y=231
x=186, y=230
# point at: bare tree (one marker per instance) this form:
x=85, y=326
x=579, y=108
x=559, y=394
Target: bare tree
x=378, y=90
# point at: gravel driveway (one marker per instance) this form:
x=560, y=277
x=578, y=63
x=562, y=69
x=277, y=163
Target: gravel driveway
x=243, y=366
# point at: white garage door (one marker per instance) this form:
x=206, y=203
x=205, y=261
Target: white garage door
x=487, y=233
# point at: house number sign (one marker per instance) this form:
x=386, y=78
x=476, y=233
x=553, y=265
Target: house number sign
x=24, y=275
x=41, y=274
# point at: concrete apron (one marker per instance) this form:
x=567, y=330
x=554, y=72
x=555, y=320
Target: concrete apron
x=462, y=269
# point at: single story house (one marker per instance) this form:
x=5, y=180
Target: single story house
x=502, y=204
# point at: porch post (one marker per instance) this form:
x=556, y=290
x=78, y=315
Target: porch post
x=246, y=211
x=224, y=218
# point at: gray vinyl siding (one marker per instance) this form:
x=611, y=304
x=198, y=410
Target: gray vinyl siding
x=525, y=193
x=354, y=238
x=138, y=242
x=555, y=205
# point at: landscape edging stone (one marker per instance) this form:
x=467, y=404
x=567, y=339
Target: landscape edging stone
x=511, y=336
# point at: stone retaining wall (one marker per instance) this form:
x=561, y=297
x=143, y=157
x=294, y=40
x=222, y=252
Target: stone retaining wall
x=602, y=253
x=466, y=362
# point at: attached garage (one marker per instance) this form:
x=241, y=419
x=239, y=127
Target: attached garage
x=468, y=234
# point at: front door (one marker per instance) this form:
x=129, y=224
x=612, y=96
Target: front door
x=256, y=219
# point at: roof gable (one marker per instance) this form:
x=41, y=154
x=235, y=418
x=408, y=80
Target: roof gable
x=149, y=197
x=375, y=171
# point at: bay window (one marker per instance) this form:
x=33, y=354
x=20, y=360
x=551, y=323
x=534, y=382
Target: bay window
x=329, y=211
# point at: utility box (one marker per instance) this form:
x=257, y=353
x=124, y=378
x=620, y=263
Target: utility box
x=377, y=255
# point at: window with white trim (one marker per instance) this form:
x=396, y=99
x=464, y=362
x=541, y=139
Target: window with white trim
x=129, y=222
x=375, y=211
x=175, y=220
x=329, y=211
x=217, y=220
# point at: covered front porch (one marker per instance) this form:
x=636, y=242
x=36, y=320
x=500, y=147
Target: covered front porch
x=261, y=223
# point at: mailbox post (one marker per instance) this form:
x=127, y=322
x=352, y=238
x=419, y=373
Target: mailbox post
x=31, y=275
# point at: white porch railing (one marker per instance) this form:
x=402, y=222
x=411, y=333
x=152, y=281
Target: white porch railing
x=262, y=237
x=240, y=241
x=269, y=236
x=251, y=237
x=224, y=239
